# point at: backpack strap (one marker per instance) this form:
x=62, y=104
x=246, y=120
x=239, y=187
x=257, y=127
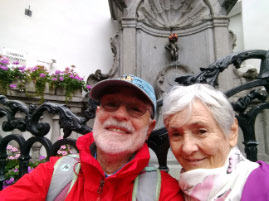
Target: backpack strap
x=63, y=178
x=147, y=185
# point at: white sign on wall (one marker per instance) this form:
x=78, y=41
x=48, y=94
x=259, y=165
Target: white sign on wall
x=14, y=55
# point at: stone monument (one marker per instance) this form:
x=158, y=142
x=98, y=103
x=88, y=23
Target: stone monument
x=160, y=40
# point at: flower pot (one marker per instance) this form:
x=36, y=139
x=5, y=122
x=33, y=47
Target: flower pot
x=49, y=90
x=60, y=91
x=30, y=87
x=77, y=93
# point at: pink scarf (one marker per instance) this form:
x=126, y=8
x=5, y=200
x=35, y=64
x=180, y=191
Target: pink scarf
x=224, y=183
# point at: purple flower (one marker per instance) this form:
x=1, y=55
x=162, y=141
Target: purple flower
x=12, y=86
x=88, y=86
x=22, y=68
x=4, y=68
x=42, y=75
x=54, y=79
x=4, y=61
x=16, y=62
x=61, y=78
x=10, y=181
x=16, y=170
x=42, y=157
x=30, y=169
x=57, y=72
x=34, y=69
x=67, y=69
x=72, y=76
x=78, y=78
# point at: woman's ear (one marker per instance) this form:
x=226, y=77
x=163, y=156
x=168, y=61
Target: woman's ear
x=233, y=137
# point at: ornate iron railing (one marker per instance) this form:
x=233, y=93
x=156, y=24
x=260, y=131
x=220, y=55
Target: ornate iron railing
x=247, y=108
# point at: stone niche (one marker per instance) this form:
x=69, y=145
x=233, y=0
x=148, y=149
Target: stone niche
x=142, y=42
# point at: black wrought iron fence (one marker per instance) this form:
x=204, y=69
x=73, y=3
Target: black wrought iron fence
x=247, y=108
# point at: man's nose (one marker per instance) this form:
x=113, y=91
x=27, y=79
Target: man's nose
x=121, y=113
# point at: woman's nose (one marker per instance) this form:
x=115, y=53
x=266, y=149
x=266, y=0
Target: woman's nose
x=189, y=145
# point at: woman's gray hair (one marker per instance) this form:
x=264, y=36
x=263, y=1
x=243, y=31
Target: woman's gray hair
x=182, y=97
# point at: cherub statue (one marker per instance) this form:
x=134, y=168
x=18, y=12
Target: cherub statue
x=172, y=47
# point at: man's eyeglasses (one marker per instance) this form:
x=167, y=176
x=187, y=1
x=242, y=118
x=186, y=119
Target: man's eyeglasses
x=135, y=110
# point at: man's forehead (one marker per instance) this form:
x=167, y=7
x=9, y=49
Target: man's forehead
x=125, y=92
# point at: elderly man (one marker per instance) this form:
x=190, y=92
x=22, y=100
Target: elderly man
x=112, y=157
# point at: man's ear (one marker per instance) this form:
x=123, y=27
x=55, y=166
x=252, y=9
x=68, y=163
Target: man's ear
x=233, y=137
x=151, y=127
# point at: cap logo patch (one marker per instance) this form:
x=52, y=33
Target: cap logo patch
x=127, y=78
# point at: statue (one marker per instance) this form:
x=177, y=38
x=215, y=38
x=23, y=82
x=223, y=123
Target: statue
x=172, y=47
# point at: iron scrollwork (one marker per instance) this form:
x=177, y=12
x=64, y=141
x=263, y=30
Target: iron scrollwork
x=31, y=122
x=210, y=74
x=246, y=108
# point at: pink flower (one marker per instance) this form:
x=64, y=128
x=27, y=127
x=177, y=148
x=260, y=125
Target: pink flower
x=42, y=75
x=14, y=149
x=9, y=147
x=22, y=68
x=12, y=86
x=4, y=68
x=4, y=61
x=78, y=78
x=30, y=169
x=42, y=157
x=63, y=147
x=57, y=72
x=67, y=69
x=54, y=79
x=34, y=69
x=88, y=86
x=17, y=155
x=61, y=78
x=16, y=62
x=10, y=181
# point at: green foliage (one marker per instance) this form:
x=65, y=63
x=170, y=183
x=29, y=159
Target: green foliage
x=12, y=163
x=16, y=77
x=69, y=80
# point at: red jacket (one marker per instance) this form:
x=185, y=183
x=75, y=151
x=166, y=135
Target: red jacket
x=34, y=186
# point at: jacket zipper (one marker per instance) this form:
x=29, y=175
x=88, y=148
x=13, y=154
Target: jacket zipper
x=100, y=189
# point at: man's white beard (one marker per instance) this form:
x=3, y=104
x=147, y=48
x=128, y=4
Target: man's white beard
x=114, y=143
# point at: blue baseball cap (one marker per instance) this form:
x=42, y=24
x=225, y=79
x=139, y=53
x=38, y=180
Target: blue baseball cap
x=142, y=86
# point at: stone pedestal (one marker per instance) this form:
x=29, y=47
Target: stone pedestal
x=143, y=35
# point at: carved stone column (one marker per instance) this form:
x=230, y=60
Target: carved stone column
x=145, y=26
x=128, y=56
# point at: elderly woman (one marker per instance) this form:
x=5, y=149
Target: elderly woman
x=203, y=134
